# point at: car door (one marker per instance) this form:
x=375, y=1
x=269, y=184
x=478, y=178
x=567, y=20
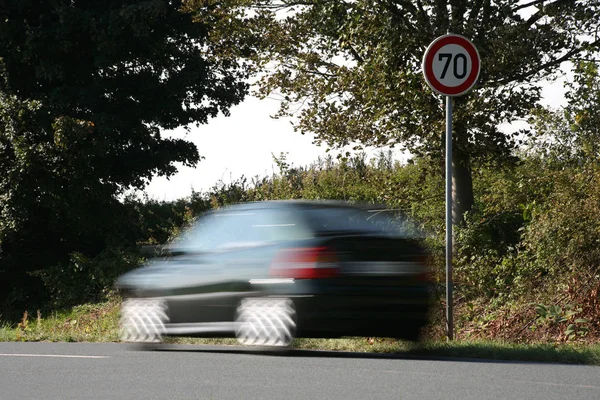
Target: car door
x=260, y=233
x=198, y=290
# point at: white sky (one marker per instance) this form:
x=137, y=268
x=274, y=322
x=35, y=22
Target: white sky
x=242, y=144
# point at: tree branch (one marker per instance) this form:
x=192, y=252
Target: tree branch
x=419, y=16
x=535, y=17
x=423, y=14
x=485, y=17
x=478, y=4
x=317, y=73
x=566, y=57
x=526, y=5
x=441, y=13
x=286, y=4
x=355, y=54
x=458, y=8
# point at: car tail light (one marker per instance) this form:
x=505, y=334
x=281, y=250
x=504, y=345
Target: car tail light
x=305, y=263
x=426, y=274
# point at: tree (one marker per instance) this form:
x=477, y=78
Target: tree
x=570, y=136
x=130, y=67
x=350, y=70
x=85, y=89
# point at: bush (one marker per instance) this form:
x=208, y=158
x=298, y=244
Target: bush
x=565, y=236
x=84, y=279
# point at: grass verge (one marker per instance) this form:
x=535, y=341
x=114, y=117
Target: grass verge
x=85, y=323
x=99, y=323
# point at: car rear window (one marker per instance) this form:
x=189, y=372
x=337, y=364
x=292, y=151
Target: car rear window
x=330, y=220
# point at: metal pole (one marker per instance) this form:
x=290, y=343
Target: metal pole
x=449, y=316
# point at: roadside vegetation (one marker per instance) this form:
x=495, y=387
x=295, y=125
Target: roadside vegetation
x=526, y=266
x=76, y=137
x=527, y=256
x=99, y=323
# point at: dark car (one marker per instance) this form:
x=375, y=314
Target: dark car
x=268, y=272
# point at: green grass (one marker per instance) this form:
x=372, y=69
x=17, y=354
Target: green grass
x=7, y=333
x=99, y=323
x=85, y=323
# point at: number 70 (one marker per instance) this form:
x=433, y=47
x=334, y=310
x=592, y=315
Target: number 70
x=456, y=64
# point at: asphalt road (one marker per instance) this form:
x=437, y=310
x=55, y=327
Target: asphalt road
x=113, y=371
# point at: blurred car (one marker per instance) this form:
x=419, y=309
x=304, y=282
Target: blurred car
x=268, y=272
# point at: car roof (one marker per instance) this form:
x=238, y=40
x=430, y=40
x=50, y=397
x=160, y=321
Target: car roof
x=300, y=203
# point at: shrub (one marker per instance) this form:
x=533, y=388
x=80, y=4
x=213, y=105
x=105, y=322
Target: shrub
x=565, y=236
x=84, y=279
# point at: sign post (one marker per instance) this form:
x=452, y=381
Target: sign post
x=451, y=66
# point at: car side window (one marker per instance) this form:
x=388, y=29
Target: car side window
x=229, y=229
x=280, y=225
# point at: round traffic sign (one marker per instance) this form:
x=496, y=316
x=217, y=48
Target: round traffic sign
x=451, y=65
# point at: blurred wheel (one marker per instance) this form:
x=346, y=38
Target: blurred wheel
x=143, y=320
x=266, y=322
x=411, y=332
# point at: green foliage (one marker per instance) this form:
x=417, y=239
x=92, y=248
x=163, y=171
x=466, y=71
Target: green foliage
x=350, y=72
x=52, y=202
x=564, y=237
x=574, y=328
x=555, y=314
x=85, y=90
x=564, y=234
x=489, y=259
x=537, y=228
x=222, y=194
x=535, y=233
x=570, y=136
x=159, y=221
x=485, y=259
x=526, y=259
x=83, y=279
x=129, y=68
x=98, y=322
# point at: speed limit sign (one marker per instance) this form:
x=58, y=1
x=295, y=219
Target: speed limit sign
x=451, y=65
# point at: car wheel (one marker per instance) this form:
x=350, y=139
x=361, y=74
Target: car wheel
x=143, y=320
x=266, y=322
x=412, y=332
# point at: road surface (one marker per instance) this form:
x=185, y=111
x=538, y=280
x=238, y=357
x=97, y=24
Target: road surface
x=116, y=371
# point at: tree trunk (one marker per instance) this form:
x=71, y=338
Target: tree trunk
x=462, y=186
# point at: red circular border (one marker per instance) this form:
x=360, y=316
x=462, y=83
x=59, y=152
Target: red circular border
x=428, y=65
